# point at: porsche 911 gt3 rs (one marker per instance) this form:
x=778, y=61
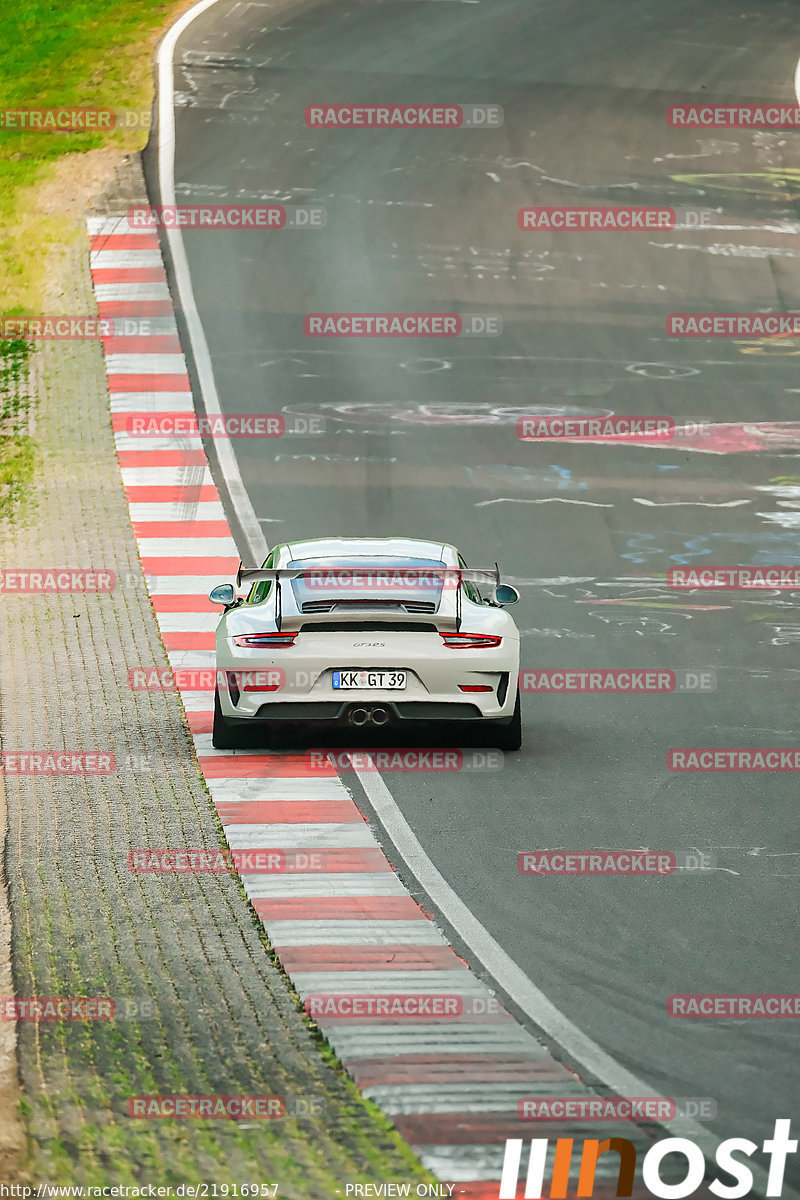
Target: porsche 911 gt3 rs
x=357, y=632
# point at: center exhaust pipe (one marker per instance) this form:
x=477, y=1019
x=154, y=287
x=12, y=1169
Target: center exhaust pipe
x=368, y=716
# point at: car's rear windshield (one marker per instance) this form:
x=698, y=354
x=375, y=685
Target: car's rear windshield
x=377, y=577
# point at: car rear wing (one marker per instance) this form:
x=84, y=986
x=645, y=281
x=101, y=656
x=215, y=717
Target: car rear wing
x=457, y=575
x=251, y=575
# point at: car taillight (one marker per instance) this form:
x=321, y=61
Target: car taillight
x=265, y=641
x=470, y=641
x=474, y=687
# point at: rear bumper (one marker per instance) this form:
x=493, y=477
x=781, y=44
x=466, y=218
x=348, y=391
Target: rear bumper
x=300, y=687
x=336, y=713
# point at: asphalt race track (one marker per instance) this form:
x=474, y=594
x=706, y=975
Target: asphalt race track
x=420, y=439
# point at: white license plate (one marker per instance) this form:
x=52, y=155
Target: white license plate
x=376, y=680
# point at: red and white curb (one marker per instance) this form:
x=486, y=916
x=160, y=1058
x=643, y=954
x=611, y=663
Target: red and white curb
x=450, y=1086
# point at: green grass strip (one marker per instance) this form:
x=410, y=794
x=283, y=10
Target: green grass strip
x=57, y=54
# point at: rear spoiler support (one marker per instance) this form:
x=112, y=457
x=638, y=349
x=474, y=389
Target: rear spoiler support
x=251, y=575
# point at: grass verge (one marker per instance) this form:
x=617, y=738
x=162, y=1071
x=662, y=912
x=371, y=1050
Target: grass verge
x=17, y=449
x=56, y=54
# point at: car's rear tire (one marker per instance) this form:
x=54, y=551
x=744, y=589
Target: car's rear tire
x=509, y=737
x=224, y=735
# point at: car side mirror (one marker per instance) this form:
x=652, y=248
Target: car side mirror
x=504, y=594
x=223, y=593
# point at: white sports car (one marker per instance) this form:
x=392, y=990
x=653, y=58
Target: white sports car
x=357, y=632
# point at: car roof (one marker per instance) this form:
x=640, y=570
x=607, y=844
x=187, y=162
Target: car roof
x=393, y=547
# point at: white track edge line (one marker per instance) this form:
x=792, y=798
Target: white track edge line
x=226, y=458
x=513, y=980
